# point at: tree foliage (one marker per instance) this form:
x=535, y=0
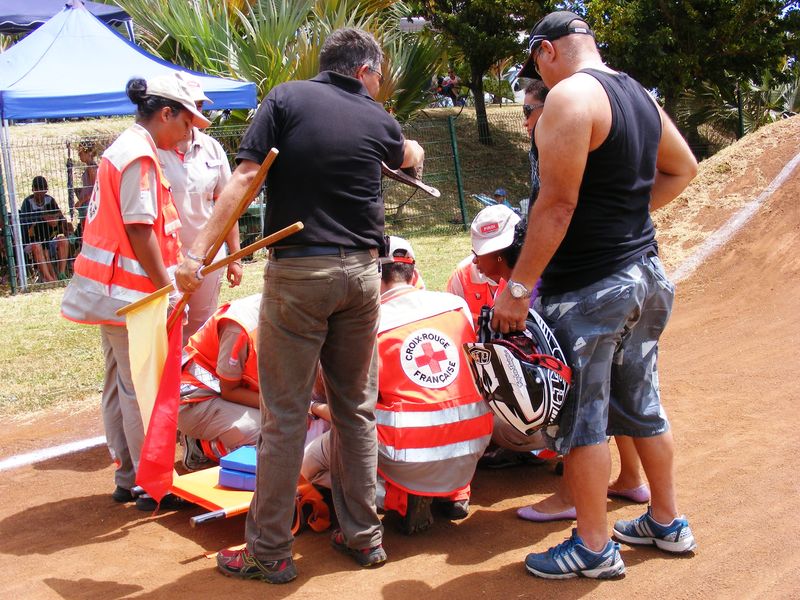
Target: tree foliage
x=273, y=41
x=674, y=46
x=484, y=32
x=773, y=98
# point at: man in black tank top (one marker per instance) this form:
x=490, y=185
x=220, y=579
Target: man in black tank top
x=608, y=155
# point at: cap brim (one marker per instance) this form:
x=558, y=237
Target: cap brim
x=198, y=119
x=483, y=247
x=529, y=69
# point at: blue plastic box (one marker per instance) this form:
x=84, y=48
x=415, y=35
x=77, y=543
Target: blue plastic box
x=238, y=480
x=241, y=459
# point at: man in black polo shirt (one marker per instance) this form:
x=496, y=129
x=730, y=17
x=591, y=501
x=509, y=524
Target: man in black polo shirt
x=608, y=156
x=321, y=293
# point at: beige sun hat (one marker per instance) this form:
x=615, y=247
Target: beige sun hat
x=194, y=86
x=174, y=88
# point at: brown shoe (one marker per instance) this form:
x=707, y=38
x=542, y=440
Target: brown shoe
x=418, y=515
x=366, y=557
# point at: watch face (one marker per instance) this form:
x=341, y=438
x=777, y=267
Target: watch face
x=517, y=290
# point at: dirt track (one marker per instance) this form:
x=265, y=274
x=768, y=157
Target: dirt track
x=728, y=371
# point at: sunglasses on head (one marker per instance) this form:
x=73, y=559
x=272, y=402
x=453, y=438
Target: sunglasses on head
x=527, y=109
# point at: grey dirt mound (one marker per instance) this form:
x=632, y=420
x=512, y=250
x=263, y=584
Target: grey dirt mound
x=728, y=365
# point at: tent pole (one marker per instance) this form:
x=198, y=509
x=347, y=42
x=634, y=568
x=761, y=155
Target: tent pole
x=7, y=241
x=129, y=27
x=12, y=202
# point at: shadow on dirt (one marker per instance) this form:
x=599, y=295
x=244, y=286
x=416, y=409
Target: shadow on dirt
x=86, y=461
x=87, y=589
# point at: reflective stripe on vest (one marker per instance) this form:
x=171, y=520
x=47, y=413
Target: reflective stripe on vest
x=106, y=258
x=432, y=425
x=203, y=376
x=430, y=418
x=439, y=453
x=107, y=271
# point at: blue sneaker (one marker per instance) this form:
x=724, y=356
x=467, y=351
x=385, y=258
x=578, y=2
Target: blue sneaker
x=572, y=558
x=676, y=537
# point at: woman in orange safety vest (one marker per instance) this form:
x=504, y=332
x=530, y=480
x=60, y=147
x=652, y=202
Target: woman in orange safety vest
x=497, y=233
x=130, y=248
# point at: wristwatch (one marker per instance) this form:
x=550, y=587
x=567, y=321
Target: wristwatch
x=518, y=290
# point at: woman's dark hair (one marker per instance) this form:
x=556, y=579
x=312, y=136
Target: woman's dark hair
x=511, y=253
x=147, y=105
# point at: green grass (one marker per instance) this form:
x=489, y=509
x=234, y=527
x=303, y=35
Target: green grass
x=47, y=361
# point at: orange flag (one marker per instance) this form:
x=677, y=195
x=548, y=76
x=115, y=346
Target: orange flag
x=158, y=451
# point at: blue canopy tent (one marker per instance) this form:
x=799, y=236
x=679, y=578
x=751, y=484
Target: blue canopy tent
x=33, y=84
x=22, y=16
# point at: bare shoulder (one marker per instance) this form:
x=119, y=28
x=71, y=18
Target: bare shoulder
x=581, y=98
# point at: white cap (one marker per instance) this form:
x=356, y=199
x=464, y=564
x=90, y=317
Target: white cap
x=493, y=229
x=173, y=88
x=397, y=244
x=194, y=86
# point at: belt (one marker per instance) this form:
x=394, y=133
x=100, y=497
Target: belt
x=304, y=251
x=645, y=258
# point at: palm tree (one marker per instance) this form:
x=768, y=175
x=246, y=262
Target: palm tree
x=272, y=41
x=761, y=103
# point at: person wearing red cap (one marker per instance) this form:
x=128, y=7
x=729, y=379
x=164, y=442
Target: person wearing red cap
x=608, y=156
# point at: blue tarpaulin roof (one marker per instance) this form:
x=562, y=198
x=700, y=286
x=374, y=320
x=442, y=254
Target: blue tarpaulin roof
x=20, y=16
x=74, y=66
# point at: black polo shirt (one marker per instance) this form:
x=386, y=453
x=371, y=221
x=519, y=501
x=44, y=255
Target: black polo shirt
x=331, y=136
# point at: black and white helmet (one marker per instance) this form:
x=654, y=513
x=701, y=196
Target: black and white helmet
x=522, y=375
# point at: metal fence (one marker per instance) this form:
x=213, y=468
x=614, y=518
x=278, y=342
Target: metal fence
x=456, y=161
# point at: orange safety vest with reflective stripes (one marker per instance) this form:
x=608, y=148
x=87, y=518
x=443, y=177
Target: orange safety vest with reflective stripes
x=107, y=272
x=432, y=423
x=202, y=350
x=476, y=289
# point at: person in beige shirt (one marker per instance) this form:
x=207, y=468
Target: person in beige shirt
x=197, y=170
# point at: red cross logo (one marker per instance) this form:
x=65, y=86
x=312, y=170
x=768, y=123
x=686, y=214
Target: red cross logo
x=431, y=358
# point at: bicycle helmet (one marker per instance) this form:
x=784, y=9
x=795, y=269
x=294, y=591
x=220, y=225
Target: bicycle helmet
x=522, y=375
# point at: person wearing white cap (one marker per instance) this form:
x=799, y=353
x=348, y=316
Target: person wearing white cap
x=426, y=461
x=197, y=170
x=130, y=248
x=497, y=233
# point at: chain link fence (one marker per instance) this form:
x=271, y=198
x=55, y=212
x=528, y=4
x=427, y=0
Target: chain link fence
x=463, y=166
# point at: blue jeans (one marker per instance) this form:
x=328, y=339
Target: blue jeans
x=609, y=331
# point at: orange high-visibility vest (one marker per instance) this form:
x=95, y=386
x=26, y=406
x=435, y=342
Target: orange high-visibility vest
x=476, y=289
x=202, y=349
x=432, y=423
x=107, y=272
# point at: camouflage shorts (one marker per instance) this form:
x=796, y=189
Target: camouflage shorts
x=609, y=332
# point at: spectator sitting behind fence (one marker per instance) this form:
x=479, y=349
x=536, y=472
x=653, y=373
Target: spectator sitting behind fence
x=44, y=231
